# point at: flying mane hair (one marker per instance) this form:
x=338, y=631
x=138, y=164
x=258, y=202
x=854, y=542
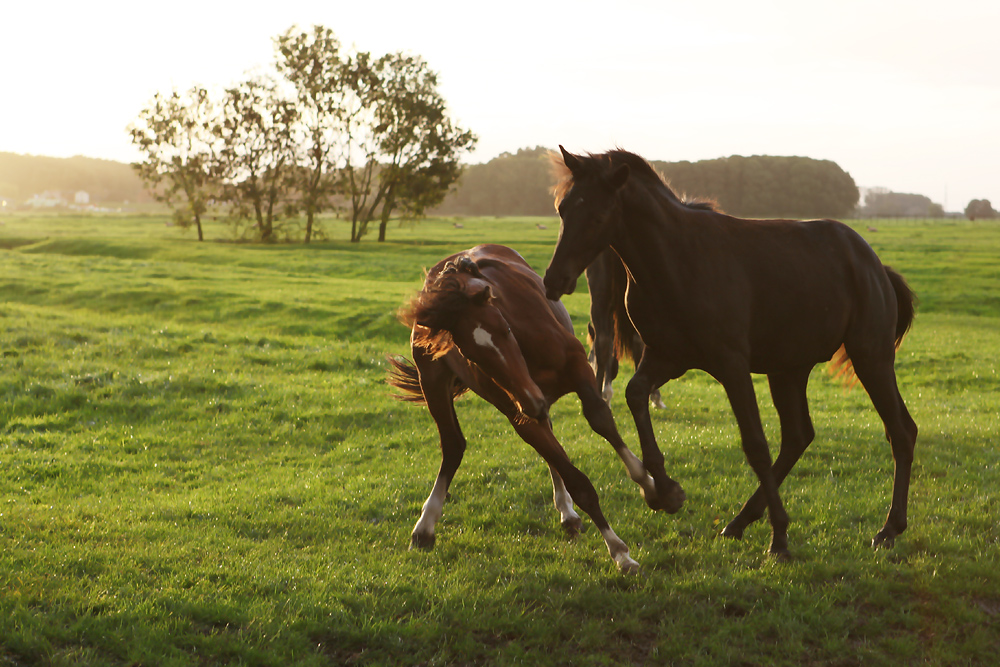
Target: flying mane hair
x=604, y=163
x=439, y=304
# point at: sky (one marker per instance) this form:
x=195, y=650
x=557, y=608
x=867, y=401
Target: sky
x=903, y=95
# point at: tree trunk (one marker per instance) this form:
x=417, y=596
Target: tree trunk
x=386, y=212
x=197, y=223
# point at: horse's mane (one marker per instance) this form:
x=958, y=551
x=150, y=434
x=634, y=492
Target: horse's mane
x=439, y=303
x=602, y=165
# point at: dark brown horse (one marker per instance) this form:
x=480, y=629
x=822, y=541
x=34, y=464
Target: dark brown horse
x=482, y=322
x=610, y=332
x=734, y=297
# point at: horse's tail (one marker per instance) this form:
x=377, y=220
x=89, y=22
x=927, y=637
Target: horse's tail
x=906, y=302
x=404, y=376
x=625, y=333
x=841, y=365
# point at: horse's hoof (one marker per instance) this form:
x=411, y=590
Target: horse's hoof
x=779, y=549
x=649, y=495
x=674, y=499
x=626, y=565
x=733, y=531
x=573, y=526
x=421, y=541
x=884, y=541
x=780, y=555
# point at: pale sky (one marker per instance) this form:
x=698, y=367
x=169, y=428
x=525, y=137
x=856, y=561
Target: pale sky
x=901, y=94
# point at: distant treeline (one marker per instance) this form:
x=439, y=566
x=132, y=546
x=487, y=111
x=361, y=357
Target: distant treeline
x=882, y=203
x=23, y=176
x=757, y=186
x=520, y=184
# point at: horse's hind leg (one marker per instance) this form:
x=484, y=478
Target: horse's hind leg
x=436, y=382
x=605, y=363
x=540, y=437
x=879, y=380
x=788, y=390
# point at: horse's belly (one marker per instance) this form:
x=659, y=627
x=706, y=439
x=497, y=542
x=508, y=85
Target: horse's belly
x=794, y=345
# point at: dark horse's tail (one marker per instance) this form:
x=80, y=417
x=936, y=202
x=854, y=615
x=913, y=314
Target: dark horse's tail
x=625, y=333
x=905, y=304
x=841, y=365
x=404, y=376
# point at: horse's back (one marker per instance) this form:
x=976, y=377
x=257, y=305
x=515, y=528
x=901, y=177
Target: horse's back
x=800, y=285
x=519, y=285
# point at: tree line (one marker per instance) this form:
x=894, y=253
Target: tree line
x=883, y=203
x=22, y=176
x=328, y=129
x=758, y=186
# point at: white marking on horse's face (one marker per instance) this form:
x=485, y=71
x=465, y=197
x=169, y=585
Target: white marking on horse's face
x=484, y=339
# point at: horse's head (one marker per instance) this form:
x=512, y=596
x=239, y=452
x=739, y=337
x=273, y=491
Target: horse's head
x=590, y=210
x=458, y=309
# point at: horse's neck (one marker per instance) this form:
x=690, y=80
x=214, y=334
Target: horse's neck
x=652, y=243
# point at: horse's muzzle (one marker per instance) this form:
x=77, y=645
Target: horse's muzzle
x=536, y=409
x=557, y=286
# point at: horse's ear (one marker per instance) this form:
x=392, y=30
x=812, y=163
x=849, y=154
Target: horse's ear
x=619, y=177
x=483, y=297
x=479, y=291
x=571, y=161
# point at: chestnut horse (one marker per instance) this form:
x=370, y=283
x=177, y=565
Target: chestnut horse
x=610, y=333
x=482, y=322
x=733, y=297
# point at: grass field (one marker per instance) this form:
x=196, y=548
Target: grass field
x=200, y=463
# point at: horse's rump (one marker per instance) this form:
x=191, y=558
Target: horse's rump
x=841, y=365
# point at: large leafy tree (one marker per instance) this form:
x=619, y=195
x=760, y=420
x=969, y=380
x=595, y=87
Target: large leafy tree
x=374, y=131
x=418, y=143
x=257, y=151
x=370, y=134
x=175, y=137
x=312, y=62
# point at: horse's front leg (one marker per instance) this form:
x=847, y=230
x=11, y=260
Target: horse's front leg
x=436, y=383
x=541, y=438
x=788, y=390
x=743, y=399
x=651, y=373
x=599, y=416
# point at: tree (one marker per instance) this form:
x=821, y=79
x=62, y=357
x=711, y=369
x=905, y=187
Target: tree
x=312, y=62
x=400, y=147
x=757, y=186
x=256, y=152
x=371, y=133
x=174, y=134
x=767, y=186
x=510, y=184
x=981, y=209
x=881, y=203
x=418, y=143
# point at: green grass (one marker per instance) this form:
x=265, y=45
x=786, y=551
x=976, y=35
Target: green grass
x=200, y=463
